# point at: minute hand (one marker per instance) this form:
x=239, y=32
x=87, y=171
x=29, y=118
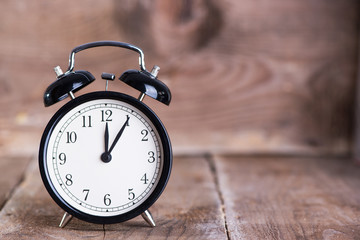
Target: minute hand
x=119, y=134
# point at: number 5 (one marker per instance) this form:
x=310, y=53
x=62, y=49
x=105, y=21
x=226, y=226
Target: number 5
x=131, y=194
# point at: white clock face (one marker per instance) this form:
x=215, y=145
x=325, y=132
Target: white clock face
x=79, y=173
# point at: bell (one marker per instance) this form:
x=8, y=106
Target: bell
x=65, y=85
x=148, y=84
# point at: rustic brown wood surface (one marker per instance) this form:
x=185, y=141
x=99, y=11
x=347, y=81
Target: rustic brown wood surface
x=356, y=145
x=190, y=208
x=290, y=198
x=11, y=174
x=248, y=78
x=265, y=77
x=213, y=197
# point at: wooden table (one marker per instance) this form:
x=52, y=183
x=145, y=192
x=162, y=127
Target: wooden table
x=251, y=80
x=208, y=197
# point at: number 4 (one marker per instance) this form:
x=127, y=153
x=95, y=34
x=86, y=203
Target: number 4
x=144, y=179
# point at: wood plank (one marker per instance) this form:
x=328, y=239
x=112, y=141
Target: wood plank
x=356, y=144
x=31, y=214
x=189, y=208
x=12, y=171
x=290, y=198
x=273, y=77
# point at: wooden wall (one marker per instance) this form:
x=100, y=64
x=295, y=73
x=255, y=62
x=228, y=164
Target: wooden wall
x=246, y=76
x=356, y=137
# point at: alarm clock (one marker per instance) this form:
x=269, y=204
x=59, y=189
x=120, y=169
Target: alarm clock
x=105, y=157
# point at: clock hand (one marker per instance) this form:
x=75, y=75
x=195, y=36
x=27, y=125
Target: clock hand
x=119, y=134
x=106, y=138
x=106, y=156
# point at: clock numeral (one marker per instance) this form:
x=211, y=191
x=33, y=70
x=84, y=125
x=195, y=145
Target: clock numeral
x=106, y=115
x=86, y=121
x=62, y=158
x=107, y=200
x=151, y=157
x=144, y=179
x=71, y=137
x=86, y=191
x=131, y=194
x=69, y=180
x=144, y=132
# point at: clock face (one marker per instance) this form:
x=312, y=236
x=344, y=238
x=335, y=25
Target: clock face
x=105, y=157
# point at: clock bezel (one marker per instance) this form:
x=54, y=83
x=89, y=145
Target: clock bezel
x=165, y=142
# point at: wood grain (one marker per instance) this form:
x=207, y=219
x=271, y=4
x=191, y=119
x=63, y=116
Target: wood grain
x=290, y=198
x=356, y=144
x=246, y=77
x=266, y=77
x=32, y=214
x=188, y=209
x=12, y=172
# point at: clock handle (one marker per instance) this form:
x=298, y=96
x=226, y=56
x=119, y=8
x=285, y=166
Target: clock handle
x=105, y=43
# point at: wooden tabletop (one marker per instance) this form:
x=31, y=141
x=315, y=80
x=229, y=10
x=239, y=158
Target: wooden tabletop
x=208, y=197
x=254, y=83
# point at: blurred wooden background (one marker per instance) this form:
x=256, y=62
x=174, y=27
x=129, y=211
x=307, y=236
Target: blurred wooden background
x=246, y=76
x=263, y=106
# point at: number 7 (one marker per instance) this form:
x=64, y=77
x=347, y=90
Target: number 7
x=87, y=193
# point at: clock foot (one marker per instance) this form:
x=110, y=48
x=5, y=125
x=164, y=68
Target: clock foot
x=141, y=97
x=148, y=218
x=65, y=220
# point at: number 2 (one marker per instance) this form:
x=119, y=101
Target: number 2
x=144, y=132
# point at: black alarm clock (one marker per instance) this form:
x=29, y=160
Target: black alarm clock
x=105, y=157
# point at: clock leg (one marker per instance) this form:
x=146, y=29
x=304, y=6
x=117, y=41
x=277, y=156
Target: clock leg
x=148, y=218
x=141, y=97
x=65, y=220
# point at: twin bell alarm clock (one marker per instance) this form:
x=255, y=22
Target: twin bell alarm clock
x=105, y=157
